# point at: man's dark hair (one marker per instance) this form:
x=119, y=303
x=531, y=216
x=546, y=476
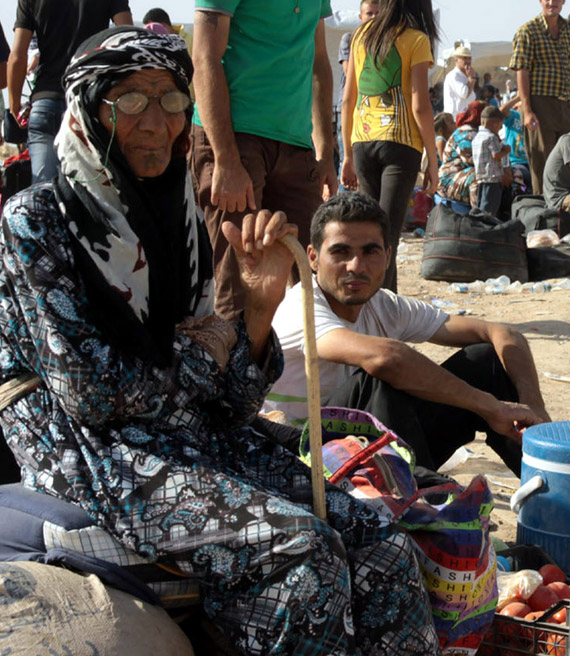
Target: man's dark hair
x=156, y=15
x=348, y=207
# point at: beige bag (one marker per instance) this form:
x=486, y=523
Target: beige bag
x=47, y=610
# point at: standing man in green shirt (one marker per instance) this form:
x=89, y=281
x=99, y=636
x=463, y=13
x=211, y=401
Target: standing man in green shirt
x=541, y=58
x=261, y=74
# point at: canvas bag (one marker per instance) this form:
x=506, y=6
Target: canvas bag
x=451, y=540
x=475, y=246
x=533, y=213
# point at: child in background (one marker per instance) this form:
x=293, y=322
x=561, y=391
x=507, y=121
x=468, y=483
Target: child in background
x=488, y=151
x=512, y=135
x=444, y=125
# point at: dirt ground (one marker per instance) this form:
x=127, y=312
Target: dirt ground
x=544, y=319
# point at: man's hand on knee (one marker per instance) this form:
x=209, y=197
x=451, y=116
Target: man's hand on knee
x=511, y=419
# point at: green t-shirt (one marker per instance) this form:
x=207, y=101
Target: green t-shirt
x=269, y=65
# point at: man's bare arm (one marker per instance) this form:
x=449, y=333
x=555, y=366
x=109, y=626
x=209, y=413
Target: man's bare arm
x=409, y=371
x=17, y=66
x=523, y=84
x=322, y=113
x=232, y=188
x=511, y=347
x=506, y=107
x=123, y=18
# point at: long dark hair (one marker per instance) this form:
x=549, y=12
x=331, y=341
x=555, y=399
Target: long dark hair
x=394, y=17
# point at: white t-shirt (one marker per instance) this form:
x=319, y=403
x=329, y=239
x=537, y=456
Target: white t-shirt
x=456, y=94
x=385, y=315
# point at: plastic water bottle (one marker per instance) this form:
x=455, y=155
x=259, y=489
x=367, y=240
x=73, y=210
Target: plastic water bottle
x=562, y=284
x=497, y=285
x=478, y=287
x=536, y=287
x=514, y=288
x=501, y=281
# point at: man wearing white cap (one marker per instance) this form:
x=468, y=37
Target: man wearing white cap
x=459, y=83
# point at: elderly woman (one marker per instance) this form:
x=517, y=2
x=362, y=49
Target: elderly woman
x=457, y=171
x=141, y=401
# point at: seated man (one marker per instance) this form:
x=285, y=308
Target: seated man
x=490, y=385
x=556, y=178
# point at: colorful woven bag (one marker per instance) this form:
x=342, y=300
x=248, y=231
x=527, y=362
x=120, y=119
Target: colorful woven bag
x=451, y=539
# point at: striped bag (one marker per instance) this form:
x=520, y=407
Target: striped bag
x=448, y=524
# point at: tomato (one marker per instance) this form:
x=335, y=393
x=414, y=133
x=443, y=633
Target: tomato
x=561, y=589
x=534, y=615
x=551, y=573
x=560, y=616
x=542, y=598
x=555, y=644
x=515, y=609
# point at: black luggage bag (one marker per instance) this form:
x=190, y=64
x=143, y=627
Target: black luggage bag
x=475, y=246
x=532, y=211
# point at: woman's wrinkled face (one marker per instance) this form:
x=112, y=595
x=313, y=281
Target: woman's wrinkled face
x=145, y=139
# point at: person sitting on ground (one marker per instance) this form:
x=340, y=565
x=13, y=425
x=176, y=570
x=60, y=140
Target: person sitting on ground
x=556, y=179
x=141, y=406
x=457, y=174
x=488, y=154
x=490, y=385
x=512, y=134
x=444, y=126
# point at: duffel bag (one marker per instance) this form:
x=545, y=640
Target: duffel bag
x=475, y=246
x=533, y=213
x=549, y=262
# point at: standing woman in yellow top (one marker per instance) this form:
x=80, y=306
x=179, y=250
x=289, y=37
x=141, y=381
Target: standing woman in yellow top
x=387, y=117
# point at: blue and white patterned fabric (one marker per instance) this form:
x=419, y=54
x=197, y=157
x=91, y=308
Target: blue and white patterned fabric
x=162, y=455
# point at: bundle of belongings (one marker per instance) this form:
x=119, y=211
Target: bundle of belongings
x=478, y=246
x=448, y=524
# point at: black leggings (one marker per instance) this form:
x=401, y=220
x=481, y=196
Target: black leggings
x=435, y=430
x=387, y=171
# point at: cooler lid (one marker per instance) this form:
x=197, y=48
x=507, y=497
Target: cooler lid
x=548, y=441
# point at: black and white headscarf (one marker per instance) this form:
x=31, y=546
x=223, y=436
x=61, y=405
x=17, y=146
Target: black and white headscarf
x=142, y=246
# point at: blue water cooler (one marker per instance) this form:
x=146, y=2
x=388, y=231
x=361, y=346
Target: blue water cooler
x=543, y=500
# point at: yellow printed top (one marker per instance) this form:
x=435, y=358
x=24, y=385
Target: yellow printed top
x=383, y=110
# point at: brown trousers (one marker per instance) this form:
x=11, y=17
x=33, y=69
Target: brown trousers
x=554, y=121
x=284, y=177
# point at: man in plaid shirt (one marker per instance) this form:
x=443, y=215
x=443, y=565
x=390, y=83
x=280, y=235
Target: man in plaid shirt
x=541, y=57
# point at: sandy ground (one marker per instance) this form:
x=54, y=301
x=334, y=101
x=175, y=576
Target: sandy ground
x=544, y=319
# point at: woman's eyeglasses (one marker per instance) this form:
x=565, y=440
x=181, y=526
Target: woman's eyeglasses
x=134, y=102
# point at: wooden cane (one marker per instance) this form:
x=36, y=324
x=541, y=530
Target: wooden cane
x=312, y=372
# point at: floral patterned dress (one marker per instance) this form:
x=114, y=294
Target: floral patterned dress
x=457, y=172
x=165, y=459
